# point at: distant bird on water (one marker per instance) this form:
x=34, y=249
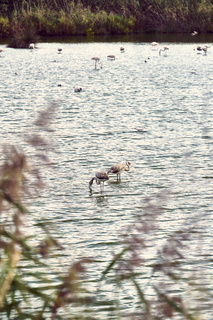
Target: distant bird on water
x=111, y=57
x=100, y=177
x=140, y=130
x=77, y=89
x=119, y=168
x=194, y=33
x=32, y=46
x=199, y=48
x=59, y=50
x=154, y=45
x=122, y=49
x=202, y=48
x=164, y=49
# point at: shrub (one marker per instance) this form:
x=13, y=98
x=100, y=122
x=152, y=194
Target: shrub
x=4, y=27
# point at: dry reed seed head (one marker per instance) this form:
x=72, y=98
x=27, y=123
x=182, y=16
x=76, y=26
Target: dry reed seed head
x=72, y=279
x=46, y=245
x=135, y=237
x=45, y=117
x=15, y=161
x=39, y=184
x=70, y=286
x=170, y=254
x=12, y=175
x=78, y=268
x=37, y=141
x=167, y=305
x=174, y=243
x=18, y=223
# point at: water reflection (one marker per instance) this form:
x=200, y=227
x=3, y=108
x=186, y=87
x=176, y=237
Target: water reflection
x=99, y=199
x=132, y=38
x=135, y=38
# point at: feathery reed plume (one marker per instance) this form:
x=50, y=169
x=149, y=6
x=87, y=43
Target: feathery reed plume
x=166, y=268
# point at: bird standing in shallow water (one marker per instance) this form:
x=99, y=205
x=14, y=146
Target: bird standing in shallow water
x=119, y=168
x=97, y=62
x=154, y=45
x=164, y=49
x=100, y=177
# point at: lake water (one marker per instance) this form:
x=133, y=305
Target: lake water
x=169, y=97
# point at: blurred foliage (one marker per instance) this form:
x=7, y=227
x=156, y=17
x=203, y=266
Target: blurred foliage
x=4, y=27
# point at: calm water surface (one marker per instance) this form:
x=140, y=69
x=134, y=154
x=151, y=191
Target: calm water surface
x=169, y=97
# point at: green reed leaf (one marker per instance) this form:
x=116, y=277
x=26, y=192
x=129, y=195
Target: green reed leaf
x=141, y=296
x=177, y=307
x=113, y=262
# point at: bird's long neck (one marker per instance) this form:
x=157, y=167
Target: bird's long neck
x=91, y=182
x=127, y=167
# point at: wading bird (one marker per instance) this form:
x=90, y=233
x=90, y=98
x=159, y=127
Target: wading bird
x=97, y=62
x=119, y=168
x=154, y=45
x=202, y=48
x=164, y=49
x=199, y=49
x=205, y=48
x=100, y=177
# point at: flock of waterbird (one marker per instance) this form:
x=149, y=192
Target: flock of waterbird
x=101, y=176
x=154, y=45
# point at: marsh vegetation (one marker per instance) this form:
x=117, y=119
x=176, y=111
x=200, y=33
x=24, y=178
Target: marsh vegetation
x=25, y=20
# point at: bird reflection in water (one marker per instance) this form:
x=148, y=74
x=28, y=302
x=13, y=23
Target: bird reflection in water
x=100, y=199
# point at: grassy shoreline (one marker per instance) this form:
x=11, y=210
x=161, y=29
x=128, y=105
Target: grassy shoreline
x=27, y=23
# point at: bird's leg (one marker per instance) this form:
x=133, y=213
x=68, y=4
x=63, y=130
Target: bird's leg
x=102, y=189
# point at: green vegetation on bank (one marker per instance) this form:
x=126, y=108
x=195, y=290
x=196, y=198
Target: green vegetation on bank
x=90, y=17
